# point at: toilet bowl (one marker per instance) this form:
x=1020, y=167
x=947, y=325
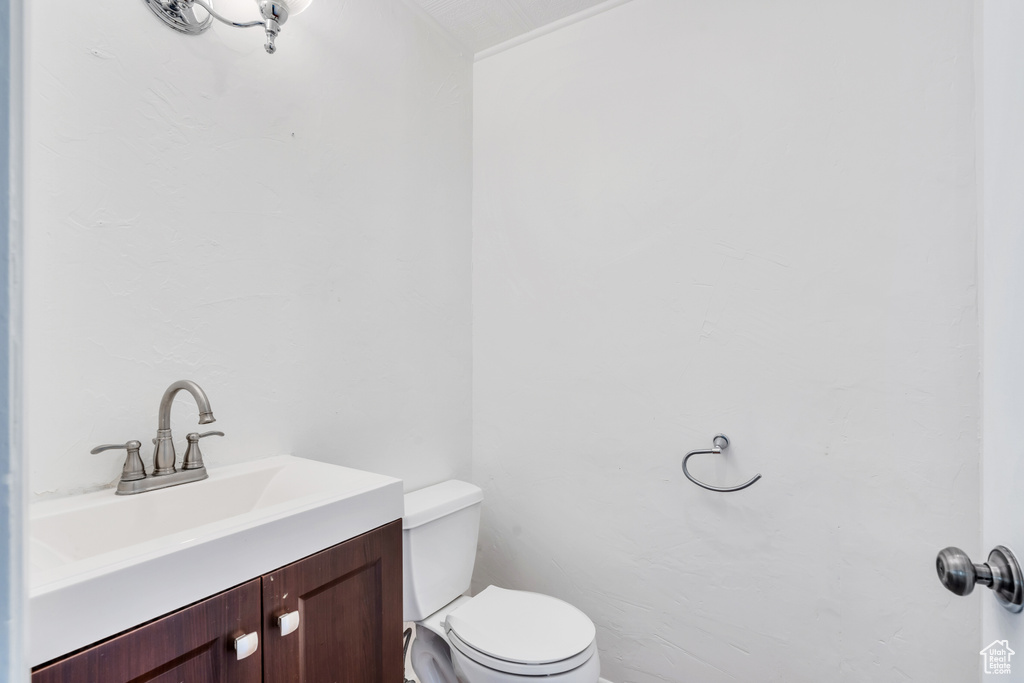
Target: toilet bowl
x=498, y=636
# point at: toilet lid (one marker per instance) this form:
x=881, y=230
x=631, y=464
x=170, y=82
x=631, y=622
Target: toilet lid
x=516, y=626
x=460, y=649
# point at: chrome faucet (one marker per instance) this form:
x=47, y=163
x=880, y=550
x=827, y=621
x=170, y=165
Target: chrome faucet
x=164, y=456
x=133, y=476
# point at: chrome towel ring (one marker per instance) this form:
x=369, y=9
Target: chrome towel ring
x=721, y=442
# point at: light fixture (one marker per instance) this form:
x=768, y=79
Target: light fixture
x=181, y=16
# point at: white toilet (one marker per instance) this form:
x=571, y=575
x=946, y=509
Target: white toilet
x=499, y=636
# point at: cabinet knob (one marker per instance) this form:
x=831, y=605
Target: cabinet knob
x=288, y=622
x=247, y=644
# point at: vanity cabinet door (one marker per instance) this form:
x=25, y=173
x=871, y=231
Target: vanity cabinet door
x=349, y=600
x=194, y=645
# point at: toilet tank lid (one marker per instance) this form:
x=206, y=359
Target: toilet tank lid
x=433, y=502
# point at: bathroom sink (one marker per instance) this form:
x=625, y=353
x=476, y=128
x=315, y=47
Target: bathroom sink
x=101, y=564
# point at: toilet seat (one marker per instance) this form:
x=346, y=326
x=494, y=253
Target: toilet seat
x=517, y=668
x=521, y=633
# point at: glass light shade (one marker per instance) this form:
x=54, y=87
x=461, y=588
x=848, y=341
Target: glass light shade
x=295, y=6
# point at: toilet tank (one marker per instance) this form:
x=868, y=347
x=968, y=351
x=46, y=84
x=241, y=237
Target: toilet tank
x=439, y=532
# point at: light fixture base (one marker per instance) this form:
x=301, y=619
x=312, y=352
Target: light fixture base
x=180, y=15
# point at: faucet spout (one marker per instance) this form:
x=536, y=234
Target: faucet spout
x=205, y=411
x=164, y=456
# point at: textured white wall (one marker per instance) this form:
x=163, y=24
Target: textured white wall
x=1003, y=307
x=290, y=231
x=754, y=218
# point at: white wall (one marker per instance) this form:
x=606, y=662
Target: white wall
x=753, y=218
x=1002, y=105
x=290, y=231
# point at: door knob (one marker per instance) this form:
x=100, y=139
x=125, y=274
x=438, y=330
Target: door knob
x=1001, y=573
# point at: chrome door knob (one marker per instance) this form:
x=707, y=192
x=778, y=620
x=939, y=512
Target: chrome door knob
x=957, y=572
x=1001, y=573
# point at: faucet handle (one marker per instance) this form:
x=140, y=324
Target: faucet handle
x=133, y=468
x=114, y=446
x=194, y=456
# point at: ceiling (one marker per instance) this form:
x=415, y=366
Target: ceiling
x=481, y=24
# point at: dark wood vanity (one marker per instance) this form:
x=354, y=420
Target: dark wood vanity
x=349, y=599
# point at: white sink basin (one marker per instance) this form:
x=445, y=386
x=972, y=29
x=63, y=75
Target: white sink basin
x=101, y=563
